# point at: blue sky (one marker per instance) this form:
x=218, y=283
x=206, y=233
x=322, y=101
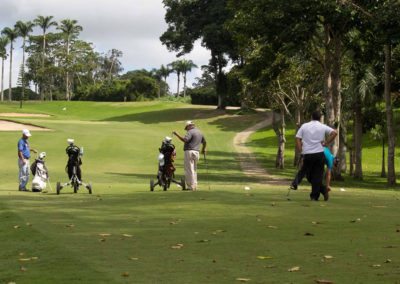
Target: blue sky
x=132, y=26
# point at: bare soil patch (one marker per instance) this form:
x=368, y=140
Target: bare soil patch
x=6, y=125
x=15, y=114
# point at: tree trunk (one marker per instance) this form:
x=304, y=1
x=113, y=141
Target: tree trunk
x=329, y=115
x=351, y=173
x=358, y=173
x=10, y=75
x=67, y=97
x=383, y=171
x=342, y=148
x=336, y=89
x=43, y=57
x=280, y=133
x=391, y=177
x=2, y=79
x=23, y=74
x=184, y=85
x=179, y=81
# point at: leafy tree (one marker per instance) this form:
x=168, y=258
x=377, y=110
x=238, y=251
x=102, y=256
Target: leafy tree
x=12, y=35
x=164, y=72
x=189, y=21
x=3, y=56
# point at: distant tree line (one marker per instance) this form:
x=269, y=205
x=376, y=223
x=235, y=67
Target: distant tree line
x=58, y=65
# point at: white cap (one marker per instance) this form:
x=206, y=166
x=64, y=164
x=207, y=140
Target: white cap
x=70, y=141
x=42, y=155
x=26, y=132
x=167, y=139
x=188, y=123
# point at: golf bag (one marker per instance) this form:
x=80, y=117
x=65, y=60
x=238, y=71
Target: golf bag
x=73, y=168
x=40, y=173
x=166, y=168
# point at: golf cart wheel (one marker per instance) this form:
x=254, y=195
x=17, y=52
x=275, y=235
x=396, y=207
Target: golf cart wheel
x=76, y=187
x=89, y=187
x=183, y=184
x=58, y=187
x=151, y=185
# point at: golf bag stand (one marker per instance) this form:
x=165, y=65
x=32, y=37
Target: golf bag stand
x=74, y=182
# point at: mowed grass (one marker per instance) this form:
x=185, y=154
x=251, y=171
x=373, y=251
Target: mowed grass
x=123, y=233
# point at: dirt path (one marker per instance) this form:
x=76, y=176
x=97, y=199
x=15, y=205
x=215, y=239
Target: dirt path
x=250, y=166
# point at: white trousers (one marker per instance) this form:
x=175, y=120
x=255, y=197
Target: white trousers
x=23, y=174
x=190, y=164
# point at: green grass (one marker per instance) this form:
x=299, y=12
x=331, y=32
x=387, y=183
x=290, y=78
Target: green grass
x=223, y=230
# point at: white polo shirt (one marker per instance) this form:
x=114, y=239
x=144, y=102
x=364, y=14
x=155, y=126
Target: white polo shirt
x=312, y=134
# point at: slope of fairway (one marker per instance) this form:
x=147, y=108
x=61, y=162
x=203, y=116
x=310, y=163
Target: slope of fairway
x=123, y=233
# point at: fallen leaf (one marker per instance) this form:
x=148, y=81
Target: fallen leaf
x=218, y=232
x=322, y=281
x=243, y=279
x=273, y=204
x=272, y=227
x=23, y=269
x=29, y=224
x=388, y=260
x=102, y=240
x=328, y=256
x=134, y=258
x=125, y=274
x=264, y=257
x=315, y=223
x=177, y=246
x=379, y=206
x=104, y=235
x=203, y=241
x=308, y=234
x=390, y=247
x=25, y=259
x=294, y=269
x=16, y=227
x=127, y=235
x=376, y=265
x=70, y=225
x=11, y=283
x=34, y=258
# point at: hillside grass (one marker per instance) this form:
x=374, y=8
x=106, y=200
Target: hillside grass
x=123, y=233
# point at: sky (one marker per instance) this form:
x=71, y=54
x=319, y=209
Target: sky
x=132, y=26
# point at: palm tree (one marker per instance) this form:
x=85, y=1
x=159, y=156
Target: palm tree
x=187, y=66
x=70, y=30
x=23, y=30
x=11, y=35
x=3, y=55
x=164, y=73
x=177, y=67
x=44, y=23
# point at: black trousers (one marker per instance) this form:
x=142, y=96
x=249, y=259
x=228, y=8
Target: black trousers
x=313, y=168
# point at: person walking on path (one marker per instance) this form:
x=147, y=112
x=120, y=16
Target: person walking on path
x=24, y=154
x=192, y=141
x=310, y=141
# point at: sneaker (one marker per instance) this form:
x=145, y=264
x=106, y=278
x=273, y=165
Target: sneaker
x=293, y=187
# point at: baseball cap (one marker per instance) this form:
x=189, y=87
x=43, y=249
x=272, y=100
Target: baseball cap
x=26, y=132
x=188, y=123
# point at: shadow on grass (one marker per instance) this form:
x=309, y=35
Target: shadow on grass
x=168, y=115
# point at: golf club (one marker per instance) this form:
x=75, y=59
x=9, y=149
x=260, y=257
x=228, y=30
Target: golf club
x=296, y=178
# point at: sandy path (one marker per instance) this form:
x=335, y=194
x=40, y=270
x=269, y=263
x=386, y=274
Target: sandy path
x=6, y=125
x=250, y=166
x=14, y=114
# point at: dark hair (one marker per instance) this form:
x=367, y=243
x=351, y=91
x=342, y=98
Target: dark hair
x=316, y=115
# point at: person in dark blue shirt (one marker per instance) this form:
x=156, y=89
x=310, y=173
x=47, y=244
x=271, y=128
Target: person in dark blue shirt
x=24, y=154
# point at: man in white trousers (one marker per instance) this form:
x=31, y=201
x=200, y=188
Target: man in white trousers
x=192, y=141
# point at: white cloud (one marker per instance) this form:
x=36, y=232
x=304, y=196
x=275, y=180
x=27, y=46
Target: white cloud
x=132, y=26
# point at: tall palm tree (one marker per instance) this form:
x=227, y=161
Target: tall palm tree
x=3, y=55
x=44, y=23
x=177, y=67
x=11, y=35
x=70, y=30
x=23, y=30
x=164, y=73
x=187, y=66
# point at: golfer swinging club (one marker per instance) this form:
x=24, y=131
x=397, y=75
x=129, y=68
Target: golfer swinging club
x=192, y=141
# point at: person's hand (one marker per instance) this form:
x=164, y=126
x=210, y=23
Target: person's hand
x=323, y=143
x=34, y=151
x=328, y=188
x=174, y=133
x=25, y=161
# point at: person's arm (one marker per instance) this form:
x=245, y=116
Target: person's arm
x=330, y=138
x=204, y=146
x=34, y=151
x=299, y=145
x=179, y=137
